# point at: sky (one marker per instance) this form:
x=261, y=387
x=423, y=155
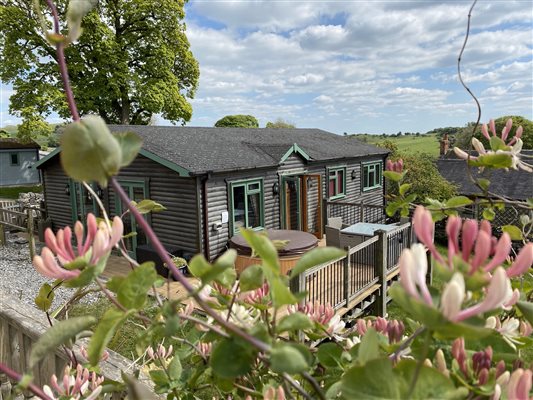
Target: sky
x=357, y=66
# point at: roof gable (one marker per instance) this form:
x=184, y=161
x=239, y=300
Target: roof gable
x=295, y=149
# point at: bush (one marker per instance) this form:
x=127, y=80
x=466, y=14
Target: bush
x=237, y=121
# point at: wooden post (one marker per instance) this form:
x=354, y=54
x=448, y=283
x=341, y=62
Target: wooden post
x=325, y=213
x=346, y=271
x=2, y=235
x=381, y=264
x=429, y=275
x=31, y=238
x=362, y=211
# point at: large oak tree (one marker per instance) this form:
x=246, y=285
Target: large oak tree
x=132, y=61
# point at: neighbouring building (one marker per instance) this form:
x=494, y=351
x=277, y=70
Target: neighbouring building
x=16, y=161
x=213, y=181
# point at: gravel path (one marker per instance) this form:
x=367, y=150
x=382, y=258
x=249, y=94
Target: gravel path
x=19, y=279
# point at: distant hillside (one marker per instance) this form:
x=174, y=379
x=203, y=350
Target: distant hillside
x=428, y=143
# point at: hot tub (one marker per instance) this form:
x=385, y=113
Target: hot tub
x=299, y=243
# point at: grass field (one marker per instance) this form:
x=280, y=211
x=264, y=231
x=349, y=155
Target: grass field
x=428, y=144
x=13, y=192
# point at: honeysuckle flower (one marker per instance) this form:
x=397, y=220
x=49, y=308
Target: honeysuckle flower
x=161, y=353
x=396, y=166
x=413, y=269
x=85, y=354
x=321, y=314
x=440, y=363
x=519, y=384
x=393, y=329
x=240, y=315
x=511, y=329
x=84, y=385
x=425, y=229
x=505, y=131
x=274, y=393
x=257, y=296
x=523, y=261
x=482, y=360
x=459, y=354
x=205, y=349
x=99, y=241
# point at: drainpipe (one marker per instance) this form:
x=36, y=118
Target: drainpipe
x=205, y=216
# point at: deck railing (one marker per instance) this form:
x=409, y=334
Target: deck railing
x=364, y=272
x=353, y=213
x=21, y=326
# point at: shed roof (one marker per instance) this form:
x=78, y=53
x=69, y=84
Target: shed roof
x=199, y=150
x=13, y=143
x=512, y=184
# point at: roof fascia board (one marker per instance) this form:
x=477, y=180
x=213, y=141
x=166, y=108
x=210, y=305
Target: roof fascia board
x=170, y=165
x=46, y=158
x=295, y=149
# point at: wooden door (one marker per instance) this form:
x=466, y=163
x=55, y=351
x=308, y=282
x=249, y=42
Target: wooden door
x=291, y=203
x=312, y=204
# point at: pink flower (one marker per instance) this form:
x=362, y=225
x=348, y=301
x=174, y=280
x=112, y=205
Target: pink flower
x=257, y=296
x=519, y=384
x=396, y=166
x=83, y=384
x=321, y=314
x=413, y=269
x=505, y=131
x=274, y=394
x=523, y=261
x=99, y=241
x=424, y=229
x=205, y=349
x=393, y=329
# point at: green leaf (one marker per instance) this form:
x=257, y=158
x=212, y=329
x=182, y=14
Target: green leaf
x=130, y=144
x=404, y=188
x=44, y=299
x=133, y=291
x=159, y=378
x=329, y=355
x=89, y=152
x=294, y=322
x=222, y=271
x=369, y=347
x=374, y=380
x=392, y=207
x=199, y=266
x=393, y=176
x=488, y=214
x=318, y=256
x=514, y=232
x=174, y=368
x=146, y=206
x=458, y=201
x=286, y=358
x=498, y=144
x=484, y=183
x=231, y=359
x=526, y=308
x=104, y=332
x=264, y=248
x=281, y=294
x=60, y=333
x=136, y=390
x=252, y=278
x=497, y=160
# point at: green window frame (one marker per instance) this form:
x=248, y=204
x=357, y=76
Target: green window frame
x=336, y=183
x=14, y=159
x=81, y=201
x=240, y=208
x=372, y=175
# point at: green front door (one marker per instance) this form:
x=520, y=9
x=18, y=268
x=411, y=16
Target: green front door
x=82, y=202
x=134, y=236
x=291, y=202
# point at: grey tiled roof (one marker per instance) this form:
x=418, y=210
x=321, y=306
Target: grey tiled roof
x=512, y=184
x=13, y=143
x=219, y=149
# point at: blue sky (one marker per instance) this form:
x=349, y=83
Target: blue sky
x=357, y=66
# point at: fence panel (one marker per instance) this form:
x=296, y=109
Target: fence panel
x=398, y=240
x=363, y=266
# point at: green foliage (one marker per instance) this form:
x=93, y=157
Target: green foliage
x=132, y=290
x=280, y=124
x=13, y=192
x=464, y=138
x=238, y=121
x=425, y=179
x=44, y=299
x=33, y=126
x=129, y=63
x=104, y=332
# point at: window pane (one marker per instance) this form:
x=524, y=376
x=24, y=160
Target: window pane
x=239, y=207
x=371, y=178
x=332, y=187
x=365, y=177
x=138, y=195
x=253, y=186
x=14, y=159
x=340, y=181
x=254, y=210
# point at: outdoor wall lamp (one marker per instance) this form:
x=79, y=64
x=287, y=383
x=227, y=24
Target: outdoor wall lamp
x=99, y=192
x=275, y=188
x=67, y=189
x=354, y=174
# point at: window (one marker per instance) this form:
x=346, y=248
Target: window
x=336, y=182
x=246, y=200
x=372, y=175
x=14, y=158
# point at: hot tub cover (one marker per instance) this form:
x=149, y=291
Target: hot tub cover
x=299, y=242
